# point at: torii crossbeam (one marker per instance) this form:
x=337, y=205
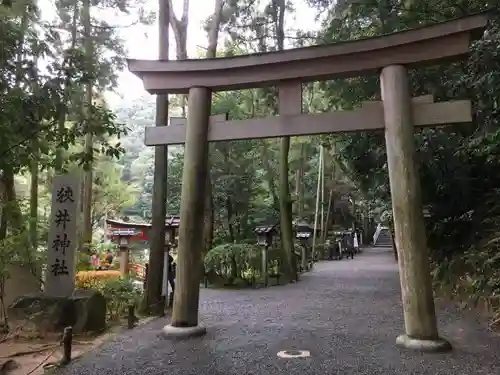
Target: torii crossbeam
x=369, y=117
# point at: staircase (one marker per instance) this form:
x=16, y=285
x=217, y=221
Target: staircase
x=383, y=239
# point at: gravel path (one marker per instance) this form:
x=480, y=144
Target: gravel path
x=346, y=313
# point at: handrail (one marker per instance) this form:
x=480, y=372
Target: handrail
x=379, y=229
x=377, y=232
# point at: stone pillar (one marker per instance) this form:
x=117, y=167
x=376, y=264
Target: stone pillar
x=186, y=297
x=124, y=260
x=416, y=286
x=265, y=272
x=304, y=257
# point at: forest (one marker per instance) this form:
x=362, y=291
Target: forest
x=55, y=74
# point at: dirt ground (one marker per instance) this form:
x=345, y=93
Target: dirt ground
x=27, y=356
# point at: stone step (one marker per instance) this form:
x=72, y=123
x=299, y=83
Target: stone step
x=384, y=239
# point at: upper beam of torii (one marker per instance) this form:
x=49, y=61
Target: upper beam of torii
x=289, y=69
x=412, y=48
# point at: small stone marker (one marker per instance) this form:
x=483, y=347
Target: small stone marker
x=294, y=354
x=62, y=241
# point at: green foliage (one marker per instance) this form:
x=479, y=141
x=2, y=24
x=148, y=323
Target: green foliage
x=322, y=252
x=6, y=256
x=111, y=195
x=15, y=249
x=82, y=261
x=230, y=262
x=120, y=294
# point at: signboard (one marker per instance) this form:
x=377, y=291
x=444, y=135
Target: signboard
x=124, y=232
x=133, y=234
x=62, y=241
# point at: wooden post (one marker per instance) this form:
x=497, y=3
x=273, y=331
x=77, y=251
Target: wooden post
x=318, y=191
x=264, y=264
x=186, y=297
x=146, y=271
x=67, y=345
x=131, y=317
x=304, y=257
x=416, y=285
x=322, y=222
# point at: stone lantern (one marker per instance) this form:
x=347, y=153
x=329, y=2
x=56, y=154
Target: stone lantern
x=123, y=239
x=303, y=232
x=265, y=234
x=171, y=228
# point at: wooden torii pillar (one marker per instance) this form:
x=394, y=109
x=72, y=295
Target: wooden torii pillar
x=416, y=283
x=397, y=114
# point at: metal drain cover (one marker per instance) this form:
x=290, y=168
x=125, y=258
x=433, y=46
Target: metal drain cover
x=294, y=353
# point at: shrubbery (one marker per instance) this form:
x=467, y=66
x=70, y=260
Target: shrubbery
x=118, y=291
x=95, y=279
x=232, y=262
x=322, y=251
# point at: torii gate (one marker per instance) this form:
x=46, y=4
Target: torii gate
x=397, y=114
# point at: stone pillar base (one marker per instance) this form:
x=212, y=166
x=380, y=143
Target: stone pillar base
x=183, y=332
x=430, y=346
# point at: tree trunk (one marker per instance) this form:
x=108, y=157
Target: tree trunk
x=208, y=222
x=14, y=214
x=229, y=204
x=284, y=188
x=316, y=208
x=153, y=302
x=213, y=36
x=268, y=175
x=326, y=225
x=88, y=175
x=35, y=173
x=33, y=165
x=179, y=27
x=322, y=223
x=300, y=183
x=11, y=216
x=285, y=212
x=34, y=203
x=59, y=162
x=3, y=213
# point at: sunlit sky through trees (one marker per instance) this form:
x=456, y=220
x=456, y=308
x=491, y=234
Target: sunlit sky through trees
x=142, y=41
